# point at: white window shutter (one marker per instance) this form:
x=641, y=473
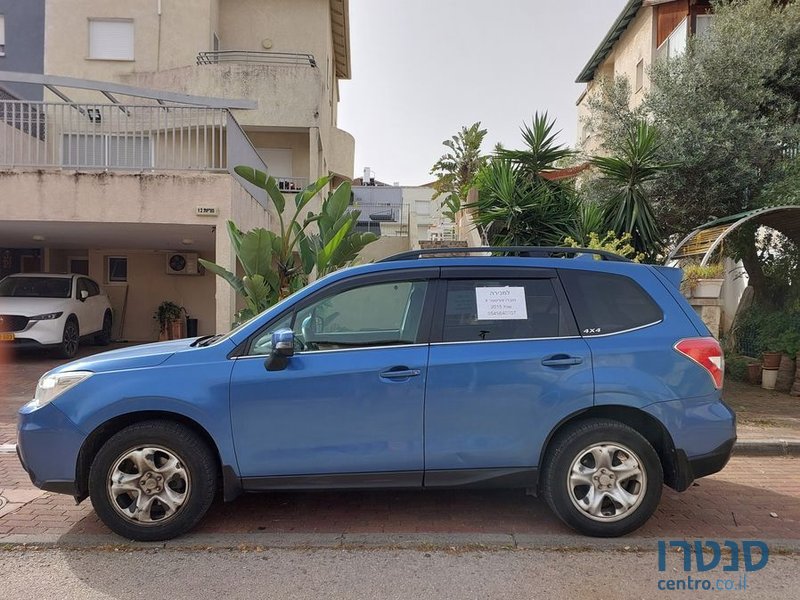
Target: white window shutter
x=111, y=40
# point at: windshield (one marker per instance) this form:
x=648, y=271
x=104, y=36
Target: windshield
x=36, y=287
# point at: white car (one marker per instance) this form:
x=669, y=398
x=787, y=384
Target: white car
x=53, y=311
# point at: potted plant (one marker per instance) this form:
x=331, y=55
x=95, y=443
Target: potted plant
x=703, y=281
x=168, y=315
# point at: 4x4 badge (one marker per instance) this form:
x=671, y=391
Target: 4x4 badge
x=592, y=330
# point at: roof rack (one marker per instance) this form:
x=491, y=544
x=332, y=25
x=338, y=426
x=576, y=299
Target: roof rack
x=520, y=251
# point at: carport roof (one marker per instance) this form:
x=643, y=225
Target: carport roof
x=784, y=219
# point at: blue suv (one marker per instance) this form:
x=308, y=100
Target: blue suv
x=589, y=382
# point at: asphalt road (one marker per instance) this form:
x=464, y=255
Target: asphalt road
x=372, y=574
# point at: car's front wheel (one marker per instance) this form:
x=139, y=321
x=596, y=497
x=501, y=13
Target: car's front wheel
x=70, y=339
x=153, y=480
x=602, y=478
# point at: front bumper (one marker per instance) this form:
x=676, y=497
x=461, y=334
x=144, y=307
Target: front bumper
x=46, y=333
x=48, y=444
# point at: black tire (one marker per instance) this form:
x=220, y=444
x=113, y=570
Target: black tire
x=70, y=339
x=562, y=495
x=195, y=458
x=104, y=337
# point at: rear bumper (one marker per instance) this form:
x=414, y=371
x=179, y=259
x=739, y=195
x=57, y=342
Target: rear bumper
x=688, y=469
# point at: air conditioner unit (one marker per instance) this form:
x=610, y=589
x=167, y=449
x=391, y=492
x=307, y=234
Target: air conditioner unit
x=183, y=263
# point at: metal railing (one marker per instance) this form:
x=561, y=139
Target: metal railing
x=112, y=136
x=382, y=219
x=256, y=57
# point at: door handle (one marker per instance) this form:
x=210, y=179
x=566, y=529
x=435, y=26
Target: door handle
x=561, y=360
x=400, y=373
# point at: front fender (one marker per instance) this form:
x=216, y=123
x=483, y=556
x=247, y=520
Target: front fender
x=196, y=391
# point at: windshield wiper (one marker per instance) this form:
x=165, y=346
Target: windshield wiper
x=206, y=340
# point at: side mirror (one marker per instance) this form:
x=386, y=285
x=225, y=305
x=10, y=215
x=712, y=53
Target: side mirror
x=282, y=350
x=84, y=294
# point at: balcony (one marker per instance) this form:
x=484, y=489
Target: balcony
x=383, y=219
x=255, y=57
x=113, y=136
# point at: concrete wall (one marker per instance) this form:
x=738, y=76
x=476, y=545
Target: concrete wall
x=24, y=44
x=383, y=247
x=149, y=285
x=635, y=44
x=170, y=40
x=18, y=147
x=62, y=195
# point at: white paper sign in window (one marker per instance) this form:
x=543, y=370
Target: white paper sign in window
x=501, y=303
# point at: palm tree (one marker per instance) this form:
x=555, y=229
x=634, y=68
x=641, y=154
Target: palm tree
x=628, y=209
x=518, y=206
x=456, y=170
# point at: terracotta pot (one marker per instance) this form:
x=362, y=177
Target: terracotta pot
x=754, y=373
x=785, y=374
x=771, y=360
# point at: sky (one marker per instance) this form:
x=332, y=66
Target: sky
x=423, y=68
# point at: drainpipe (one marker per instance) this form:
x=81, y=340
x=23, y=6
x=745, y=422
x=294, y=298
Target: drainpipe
x=158, y=43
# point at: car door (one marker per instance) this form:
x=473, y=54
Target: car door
x=93, y=306
x=82, y=307
x=506, y=365
x=348, y=407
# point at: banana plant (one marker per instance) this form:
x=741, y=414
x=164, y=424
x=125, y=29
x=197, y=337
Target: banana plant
x=277, y=264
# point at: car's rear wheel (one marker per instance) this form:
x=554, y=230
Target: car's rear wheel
x=153, y=481
x=104, y=337
x=70, y=339
x=602, y=478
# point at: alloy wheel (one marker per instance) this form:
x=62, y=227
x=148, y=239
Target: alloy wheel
x=606, y=481
x=148, y=485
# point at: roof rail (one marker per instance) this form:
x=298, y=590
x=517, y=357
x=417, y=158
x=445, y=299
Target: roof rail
x=520, y=251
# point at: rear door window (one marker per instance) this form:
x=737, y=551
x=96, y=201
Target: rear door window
x=606, y=303
x=504, y=309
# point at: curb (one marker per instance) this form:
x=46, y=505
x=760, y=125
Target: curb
x=767, y=447
x=450, y=542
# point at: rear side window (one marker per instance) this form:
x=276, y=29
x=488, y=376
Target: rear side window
x=606, y=303
x=506, y=309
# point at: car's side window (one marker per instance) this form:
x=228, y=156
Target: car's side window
x=608, y=303
x=262, y=344
x=380, y=314
x=94, y=289
x=82, y=287
x=503, y=309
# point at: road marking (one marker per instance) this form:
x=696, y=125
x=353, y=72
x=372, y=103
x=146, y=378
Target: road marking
x=8, y=448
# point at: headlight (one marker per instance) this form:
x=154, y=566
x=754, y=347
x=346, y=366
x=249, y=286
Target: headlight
x=46, y=316
x=52, y=386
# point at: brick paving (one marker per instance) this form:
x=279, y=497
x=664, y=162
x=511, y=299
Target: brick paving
x=735, y=503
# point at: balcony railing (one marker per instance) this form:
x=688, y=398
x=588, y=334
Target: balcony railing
x=113, y=136
x=382, y=219
x=256, y=57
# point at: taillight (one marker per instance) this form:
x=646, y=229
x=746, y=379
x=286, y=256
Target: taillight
x=707, y=353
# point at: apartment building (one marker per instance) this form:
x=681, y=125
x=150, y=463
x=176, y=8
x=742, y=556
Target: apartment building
x=645, y=31
x=117, y=145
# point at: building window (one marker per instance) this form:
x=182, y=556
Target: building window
x=2, y=35
x=639, y=74
x=675, y=44
x=111, y=39
x=117, y=269
x=116, y=151
x=702, y=24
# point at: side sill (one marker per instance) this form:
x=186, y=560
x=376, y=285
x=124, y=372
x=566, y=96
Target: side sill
x=336, y=481
x=511, y=477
